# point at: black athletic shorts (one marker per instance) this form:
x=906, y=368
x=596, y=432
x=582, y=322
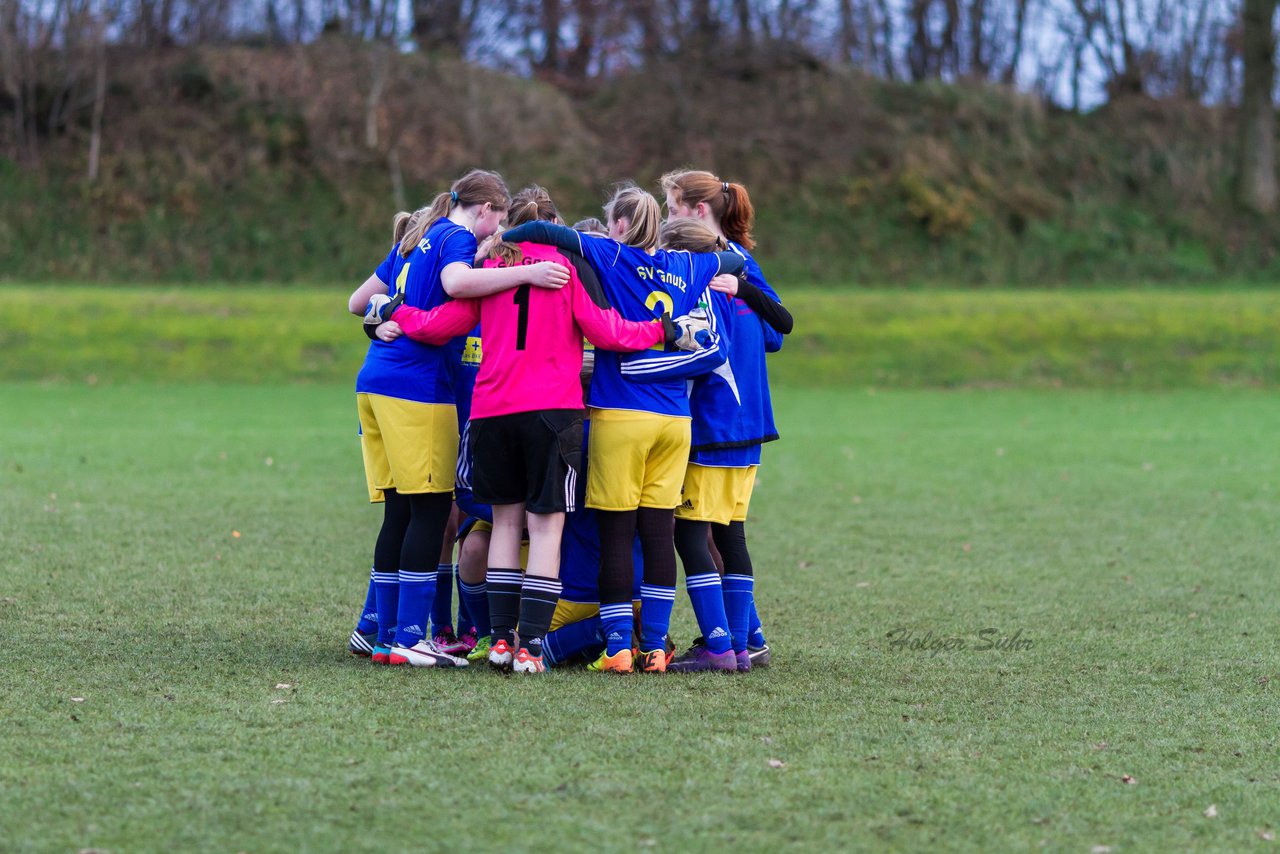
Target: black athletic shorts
x=534, y=457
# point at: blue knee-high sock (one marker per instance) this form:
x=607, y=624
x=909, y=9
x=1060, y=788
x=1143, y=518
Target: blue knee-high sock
x=580, y=638
x=386, y=589
x=416, y=592
x=476, y=598
x=708, y=606
x=616, y=621
x=755, y=637
x=442, y=601
x=655, y=615
x=368, y=621
x=737, y=605
x=464, y=614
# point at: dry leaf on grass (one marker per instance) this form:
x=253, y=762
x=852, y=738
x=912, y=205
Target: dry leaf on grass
x=777, y=763
x=283, y=686
x=1128, y=780
x=1266, y=835
x=1212, y=811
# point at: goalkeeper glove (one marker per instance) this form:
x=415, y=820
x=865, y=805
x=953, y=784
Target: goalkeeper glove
x=379, y=311
x=692, y=331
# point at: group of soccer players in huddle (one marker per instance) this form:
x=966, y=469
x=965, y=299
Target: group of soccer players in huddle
x=474, y=432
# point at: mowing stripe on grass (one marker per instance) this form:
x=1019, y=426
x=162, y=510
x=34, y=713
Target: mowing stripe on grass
x=929, y=339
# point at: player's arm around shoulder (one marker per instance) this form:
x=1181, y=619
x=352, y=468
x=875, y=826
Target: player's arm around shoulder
x=439, y=325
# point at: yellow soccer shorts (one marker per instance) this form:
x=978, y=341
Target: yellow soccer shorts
x=636, y=459
x=716, y=494
x=408, y=446
x=567, y=613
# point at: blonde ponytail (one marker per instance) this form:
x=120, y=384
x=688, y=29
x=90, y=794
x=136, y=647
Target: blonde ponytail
x=642, y=213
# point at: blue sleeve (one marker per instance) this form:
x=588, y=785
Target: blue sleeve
x=730, y=262
x=548, y=233
x=386, y=270
x=644, y=367
x=772, y=338
x=678, y=365
x=459, y=246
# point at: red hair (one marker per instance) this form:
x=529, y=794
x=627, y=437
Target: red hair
x=729, y=203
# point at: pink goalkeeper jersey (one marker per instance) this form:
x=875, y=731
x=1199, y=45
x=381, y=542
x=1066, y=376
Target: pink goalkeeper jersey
x=532, y=338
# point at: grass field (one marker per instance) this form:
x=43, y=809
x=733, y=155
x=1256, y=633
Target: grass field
x=1134, y=339
x=193, y=556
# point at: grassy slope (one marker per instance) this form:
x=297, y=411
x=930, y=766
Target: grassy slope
x=1129, y=536
x=1127, y=339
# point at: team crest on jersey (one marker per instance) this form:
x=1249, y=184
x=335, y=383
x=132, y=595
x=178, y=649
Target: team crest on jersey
x=472, y=352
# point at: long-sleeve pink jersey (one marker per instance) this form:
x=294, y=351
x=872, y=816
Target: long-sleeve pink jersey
x=532, y=337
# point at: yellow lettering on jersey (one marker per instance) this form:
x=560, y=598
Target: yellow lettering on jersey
x=657, y=298
x=473, y=351
x=660, y=298
x=400, y=280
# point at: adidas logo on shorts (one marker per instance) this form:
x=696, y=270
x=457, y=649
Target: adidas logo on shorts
x=687, y=505
x=718, y=632
x=614, y=636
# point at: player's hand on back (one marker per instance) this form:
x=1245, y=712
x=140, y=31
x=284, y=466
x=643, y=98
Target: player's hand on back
x=725, y=283
x=389, y=331
x=482, y=251
x=548, y=274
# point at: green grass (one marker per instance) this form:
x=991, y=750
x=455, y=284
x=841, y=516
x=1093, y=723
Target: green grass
x=1117, y=339
x=1130, y=537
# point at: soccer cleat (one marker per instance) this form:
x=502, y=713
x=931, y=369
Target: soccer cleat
x=527, y=663
x=698, y=658
x=469, y=639
x=362, y=643
x=381, y=654
x=744, y=661
x=759, y=655
x=446, y=641
x=425, y=653
x=618, y=663
x=501, y=656
x=653, y=662
x=481, y=651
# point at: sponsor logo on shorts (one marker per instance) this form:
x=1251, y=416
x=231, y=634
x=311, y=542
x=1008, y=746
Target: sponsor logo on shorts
x=615, y=636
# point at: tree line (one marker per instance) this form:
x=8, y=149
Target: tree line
x=56, y=55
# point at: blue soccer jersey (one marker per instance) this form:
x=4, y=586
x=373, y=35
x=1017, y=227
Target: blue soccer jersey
x=405, y=368
x=641, y=287
x=732, y=407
